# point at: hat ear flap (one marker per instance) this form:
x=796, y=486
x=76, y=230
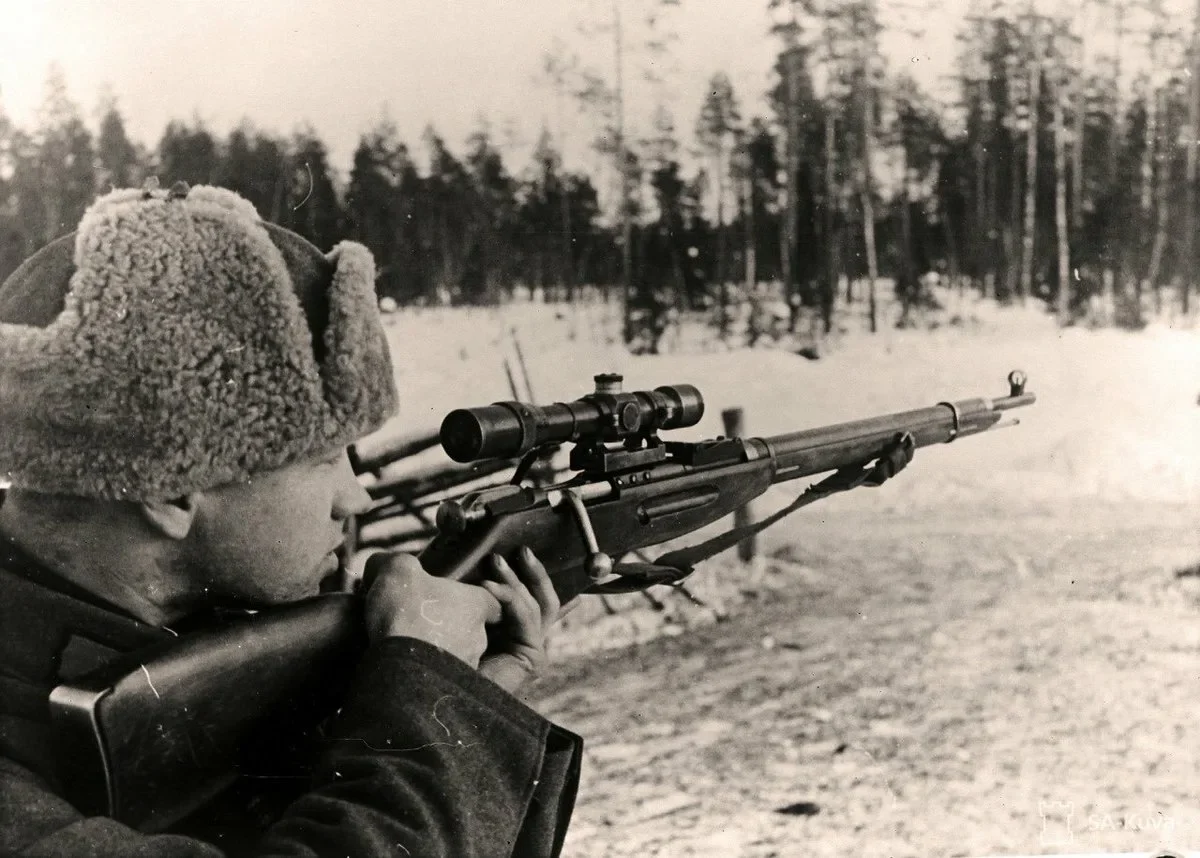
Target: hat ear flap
x=36, y=293
x=357, y=369
x=312, y=280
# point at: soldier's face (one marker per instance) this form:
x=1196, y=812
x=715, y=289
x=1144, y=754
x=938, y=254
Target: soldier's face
x=272, y=538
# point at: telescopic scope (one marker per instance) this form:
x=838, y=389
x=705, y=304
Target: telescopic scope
x=511, y=429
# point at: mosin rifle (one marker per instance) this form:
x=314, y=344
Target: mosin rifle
x=151, y=738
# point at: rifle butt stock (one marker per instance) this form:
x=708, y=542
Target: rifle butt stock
x=151, y=738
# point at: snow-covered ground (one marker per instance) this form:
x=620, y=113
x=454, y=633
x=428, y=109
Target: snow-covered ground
x=1008, y=626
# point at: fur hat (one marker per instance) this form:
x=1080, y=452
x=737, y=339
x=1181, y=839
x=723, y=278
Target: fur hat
x=176, y=342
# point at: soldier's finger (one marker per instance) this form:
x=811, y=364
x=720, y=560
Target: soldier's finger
x=569, y=607
x=505, y=576
x=537, y=580
x=516, y=612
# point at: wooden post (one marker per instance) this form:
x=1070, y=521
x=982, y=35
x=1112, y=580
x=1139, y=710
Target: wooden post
x=733, y=419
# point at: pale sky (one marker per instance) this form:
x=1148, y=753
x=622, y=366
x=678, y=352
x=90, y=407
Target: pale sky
x=341, y=65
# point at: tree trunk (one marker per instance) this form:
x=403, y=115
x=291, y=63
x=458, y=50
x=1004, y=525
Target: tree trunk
x=722, y=268
x=751, y=235
x=567, y=265
x=908, y=288
x=954, y=273
x=1118, y=113
x=623, y=176
x=868, y=209
x=1060, y=198
x=791, y=221
x=1146, y=201
x=982, y=238
x=832, y=260
x=1012, y=241
x=1114, y=283
x=1146, y=196
x=1077, y=100
x=1031, y=153
x=1193, y=128
x=872, y=263
x=1161, y=180
x=1149, y=146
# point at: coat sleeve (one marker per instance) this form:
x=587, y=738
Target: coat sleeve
x=426, y=758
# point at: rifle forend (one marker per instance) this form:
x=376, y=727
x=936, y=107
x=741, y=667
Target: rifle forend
x=814, y=451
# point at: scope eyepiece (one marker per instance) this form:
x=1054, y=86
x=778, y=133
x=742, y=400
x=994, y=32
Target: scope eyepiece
x=511, y=429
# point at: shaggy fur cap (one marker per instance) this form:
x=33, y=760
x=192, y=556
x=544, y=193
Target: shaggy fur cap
x=177, y=343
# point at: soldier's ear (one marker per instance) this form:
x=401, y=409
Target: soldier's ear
x=171, y=518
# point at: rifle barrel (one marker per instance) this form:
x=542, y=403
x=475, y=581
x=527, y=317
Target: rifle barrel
x=828, y=448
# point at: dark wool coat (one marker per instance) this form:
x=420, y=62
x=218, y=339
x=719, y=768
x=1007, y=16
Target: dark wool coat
x=483, y=774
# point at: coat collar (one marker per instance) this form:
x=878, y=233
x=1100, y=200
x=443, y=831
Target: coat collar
x=51, y=631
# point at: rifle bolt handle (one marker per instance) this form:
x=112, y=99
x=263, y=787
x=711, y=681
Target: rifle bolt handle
x=599, y=566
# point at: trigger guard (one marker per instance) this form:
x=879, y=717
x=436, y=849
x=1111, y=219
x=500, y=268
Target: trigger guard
x=636, y=581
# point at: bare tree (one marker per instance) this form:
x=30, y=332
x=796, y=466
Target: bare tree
x=716, y=129
x=1075, y=67
x=1193, y=129
x=869, y=30
x=1161, y=180
x=791, y=226
x=1059, y=95
x=1029, y=231
x=623, y=201
x=558, y=70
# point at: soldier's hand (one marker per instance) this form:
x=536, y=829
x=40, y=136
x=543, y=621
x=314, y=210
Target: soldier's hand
x=530, y=607
x=403, y=600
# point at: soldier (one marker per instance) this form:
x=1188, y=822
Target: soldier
x=178, y=383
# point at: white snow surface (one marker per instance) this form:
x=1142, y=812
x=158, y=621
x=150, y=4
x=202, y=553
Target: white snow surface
x=1117, y=418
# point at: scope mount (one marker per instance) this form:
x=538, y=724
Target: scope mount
x=625, y=444
x=599, y=457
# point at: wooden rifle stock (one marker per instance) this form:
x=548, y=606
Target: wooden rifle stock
x=149, y=739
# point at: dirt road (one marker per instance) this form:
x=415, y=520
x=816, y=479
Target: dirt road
x=941, y=684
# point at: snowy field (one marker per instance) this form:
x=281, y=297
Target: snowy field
x=995, y=653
